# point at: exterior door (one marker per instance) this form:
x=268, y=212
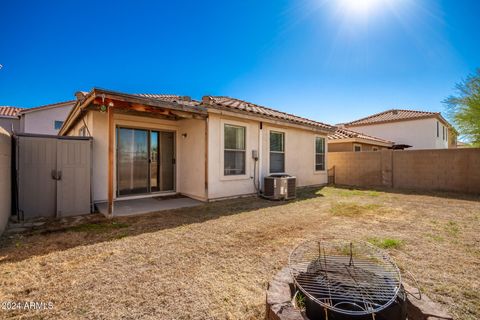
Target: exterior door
x=145, y=161
x=132, y=161
x=73, y=163
x=167, y=161
x=36, y=163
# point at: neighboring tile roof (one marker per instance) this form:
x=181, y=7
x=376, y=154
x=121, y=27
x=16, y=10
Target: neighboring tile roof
x=48, y=106
x=7, y=111
x=394, y=115
x=247, y=107
x=342, y=133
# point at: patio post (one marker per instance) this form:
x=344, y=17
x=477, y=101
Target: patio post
x=111, y=132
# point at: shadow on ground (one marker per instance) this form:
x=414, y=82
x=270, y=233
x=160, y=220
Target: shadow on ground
x=56, y=235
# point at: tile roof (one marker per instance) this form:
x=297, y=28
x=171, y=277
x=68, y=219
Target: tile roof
x=183, y=100
x=233, y=104
x=342, y=133
x=7, y=111
x=394, y=115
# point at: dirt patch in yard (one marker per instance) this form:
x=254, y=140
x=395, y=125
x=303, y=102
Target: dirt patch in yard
x=214, y=261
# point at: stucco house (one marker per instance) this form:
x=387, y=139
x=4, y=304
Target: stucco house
x=419, y=129
x=9, y=119
x=147, y=145
x=47, y=119
x=344, y=140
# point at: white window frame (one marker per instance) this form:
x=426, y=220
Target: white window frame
x=357, y=145
x=244, y=150
x=224, y=177
x=284, y=150
x=324, y=153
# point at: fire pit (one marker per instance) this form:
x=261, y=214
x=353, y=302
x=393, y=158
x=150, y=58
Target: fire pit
x=347, y=280
x=343, y=280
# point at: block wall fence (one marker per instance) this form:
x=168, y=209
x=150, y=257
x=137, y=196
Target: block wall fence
x=453, y=170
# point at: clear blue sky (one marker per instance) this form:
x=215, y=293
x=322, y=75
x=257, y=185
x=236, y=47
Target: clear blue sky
x=329, y=60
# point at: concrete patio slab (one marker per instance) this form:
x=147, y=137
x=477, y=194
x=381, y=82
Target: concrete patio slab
x=122, y=208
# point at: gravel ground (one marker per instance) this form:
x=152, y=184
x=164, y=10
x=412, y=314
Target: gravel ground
x=214, y=261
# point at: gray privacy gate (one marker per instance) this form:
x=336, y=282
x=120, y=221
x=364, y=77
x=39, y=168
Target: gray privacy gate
x=53, y=175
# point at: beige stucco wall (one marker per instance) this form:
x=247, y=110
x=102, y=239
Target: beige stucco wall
x=5, y=178
x=420, y=134
x=191, y=154
x=455, y=170
x=190, y=151
x=10, y=123
x=42, y=121
x=299, y=156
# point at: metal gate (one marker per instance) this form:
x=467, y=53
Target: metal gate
x=53, y=176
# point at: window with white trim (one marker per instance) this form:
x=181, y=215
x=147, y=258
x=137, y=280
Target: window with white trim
x=319, y=154
x=375, y=149
x=357, y=148
x=277, y=152
x=234, y=150
x=57, y=124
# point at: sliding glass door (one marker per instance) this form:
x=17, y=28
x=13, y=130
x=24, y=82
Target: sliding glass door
x=145, y=161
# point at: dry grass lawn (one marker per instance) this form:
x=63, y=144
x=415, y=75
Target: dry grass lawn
x=214, y=261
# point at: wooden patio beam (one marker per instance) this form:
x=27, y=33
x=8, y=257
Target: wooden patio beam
x=111, y=134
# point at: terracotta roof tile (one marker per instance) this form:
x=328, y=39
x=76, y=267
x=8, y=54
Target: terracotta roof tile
x=7, y=111
x=183, y=100
x=247, y=107
x=393, y=115
x=342, y=133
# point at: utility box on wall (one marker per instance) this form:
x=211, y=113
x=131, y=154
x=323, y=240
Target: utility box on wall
x=53, y=176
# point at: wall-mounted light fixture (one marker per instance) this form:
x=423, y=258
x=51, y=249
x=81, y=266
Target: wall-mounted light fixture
x=184, y=135
x=103, y=107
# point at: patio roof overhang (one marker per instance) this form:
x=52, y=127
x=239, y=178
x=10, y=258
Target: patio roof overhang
x=140, y=105
x=159, y=106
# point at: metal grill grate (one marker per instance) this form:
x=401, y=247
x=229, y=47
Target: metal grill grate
x=352, y=278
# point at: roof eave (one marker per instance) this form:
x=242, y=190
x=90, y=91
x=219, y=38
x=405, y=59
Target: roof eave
x=46, y=107
x=235, y=112
x=361, y=140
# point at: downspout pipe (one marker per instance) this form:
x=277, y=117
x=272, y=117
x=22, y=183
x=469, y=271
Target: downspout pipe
x=260, y=157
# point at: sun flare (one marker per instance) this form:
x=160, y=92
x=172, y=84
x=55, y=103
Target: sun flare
x=360, y=7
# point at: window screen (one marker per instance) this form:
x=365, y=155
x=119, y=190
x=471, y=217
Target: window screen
x=277, y=152
x=319, y=154
x=234, y=150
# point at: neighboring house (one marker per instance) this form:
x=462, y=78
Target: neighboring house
x=46, y=119
x=148, y=145
x=419, y=129
x=463, y=145
x=9, y=119
x=344, y=140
